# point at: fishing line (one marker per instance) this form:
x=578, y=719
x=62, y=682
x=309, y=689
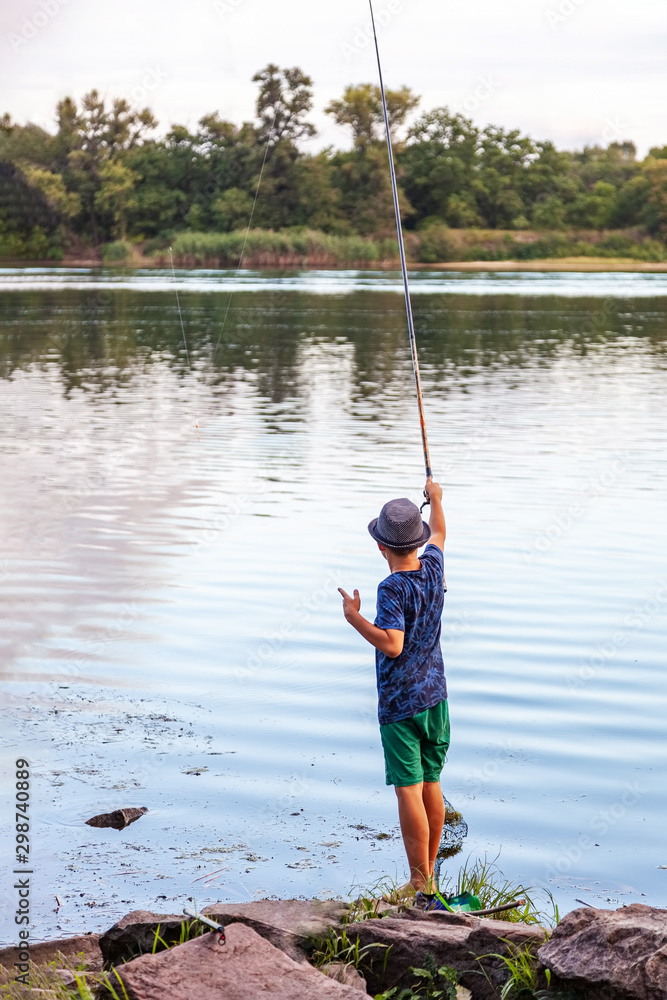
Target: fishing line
x=185, y=339
x=247, y=232
x=404, y=266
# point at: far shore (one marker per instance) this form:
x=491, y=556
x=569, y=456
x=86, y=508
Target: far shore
x=593, y=265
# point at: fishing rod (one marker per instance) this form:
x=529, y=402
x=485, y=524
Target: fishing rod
x=404, y=266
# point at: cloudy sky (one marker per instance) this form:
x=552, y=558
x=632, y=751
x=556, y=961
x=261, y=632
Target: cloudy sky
x=574, y=71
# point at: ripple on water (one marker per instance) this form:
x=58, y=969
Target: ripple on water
x=171, y=628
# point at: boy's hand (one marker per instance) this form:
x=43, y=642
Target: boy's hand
x=350, y=604
x=437, y=519
x=433, y=490
x=388, y=641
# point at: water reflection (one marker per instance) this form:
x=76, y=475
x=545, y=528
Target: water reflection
x=99, y=339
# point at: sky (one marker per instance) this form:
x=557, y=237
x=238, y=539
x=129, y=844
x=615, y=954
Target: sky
x=574, y=71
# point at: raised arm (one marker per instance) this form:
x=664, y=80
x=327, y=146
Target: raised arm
x=437, y=519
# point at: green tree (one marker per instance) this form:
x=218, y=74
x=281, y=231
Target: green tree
x=115, y=194
x=593, y=209
x=503, y=160
x=361, y=176
x=29, y=226
x=285, y=98
x=615, y=164
x=27, y=144
x=549, y=213
x=360, y=109
x=439, y=164
x=654, y=170
x=364, y=192
x=94, y=136
x=318, y=203
x=66, y=203
x=233, y=209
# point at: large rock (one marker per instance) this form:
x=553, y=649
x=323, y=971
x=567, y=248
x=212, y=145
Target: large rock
x=465, y=943
x=136, y=934
x=247, y=967
x=611, y=954
x=50, y=951
x=293, y=925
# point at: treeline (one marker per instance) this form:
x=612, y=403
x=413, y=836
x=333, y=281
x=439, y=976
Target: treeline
x=103, y=176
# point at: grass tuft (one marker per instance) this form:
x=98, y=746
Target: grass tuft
x=337, y=948
x=285, y=248
x=523, y=981
x=484, y=879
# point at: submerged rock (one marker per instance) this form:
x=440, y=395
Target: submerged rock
x=118, y=819
x=246, y=967
x=611, y=954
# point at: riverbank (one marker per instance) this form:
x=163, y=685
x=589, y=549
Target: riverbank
x=313, y=950
x=573, y=265
x=592, y=265
x=436, y=246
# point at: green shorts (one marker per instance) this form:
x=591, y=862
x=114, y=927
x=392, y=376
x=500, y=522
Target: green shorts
x=415, y=749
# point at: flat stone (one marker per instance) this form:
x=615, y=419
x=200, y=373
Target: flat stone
x=247, y=967
x=453, y=939
x=48, y=951
x=611, y=954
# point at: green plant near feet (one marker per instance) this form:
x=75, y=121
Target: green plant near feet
x=481, y=878
x=337, y=949
x=486, y=881
x=433, y=984
x=372, y=900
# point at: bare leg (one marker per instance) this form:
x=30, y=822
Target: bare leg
x=415, y=829
x=434, y=806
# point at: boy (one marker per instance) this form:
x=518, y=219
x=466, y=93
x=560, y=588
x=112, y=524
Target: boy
x=412, y=692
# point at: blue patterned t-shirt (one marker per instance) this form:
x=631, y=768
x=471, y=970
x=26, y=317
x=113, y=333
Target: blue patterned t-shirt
x=412, y=601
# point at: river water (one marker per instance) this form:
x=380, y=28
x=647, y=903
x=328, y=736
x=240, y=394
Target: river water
x=170, y=629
